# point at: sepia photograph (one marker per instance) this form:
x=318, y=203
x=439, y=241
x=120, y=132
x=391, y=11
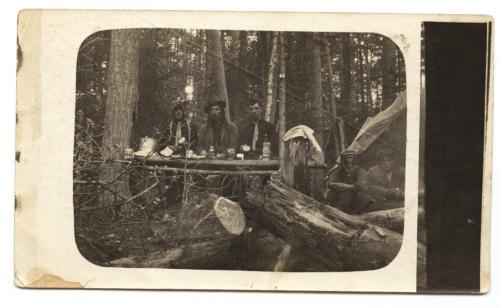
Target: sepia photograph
x=239, y=150
x=264, y=151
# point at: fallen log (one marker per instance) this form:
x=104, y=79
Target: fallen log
x=391, y=219
x=345, y=242
x=198, y=236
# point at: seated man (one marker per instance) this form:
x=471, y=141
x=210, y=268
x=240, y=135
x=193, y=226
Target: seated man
x=345, y=185
x=385, y=181
x=219, y=132
x=180, y=134
x=255, y=131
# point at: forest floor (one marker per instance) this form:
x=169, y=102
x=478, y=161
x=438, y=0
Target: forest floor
x=103, y=242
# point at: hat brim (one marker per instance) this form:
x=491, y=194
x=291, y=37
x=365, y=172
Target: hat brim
x=221, y=104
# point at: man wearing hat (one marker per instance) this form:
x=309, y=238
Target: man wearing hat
x=219, y=131
x=180, y=134
x=345, y=185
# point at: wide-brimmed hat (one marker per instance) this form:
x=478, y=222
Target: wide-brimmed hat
x=181, y=106
x=220, y=103
x=146, y=147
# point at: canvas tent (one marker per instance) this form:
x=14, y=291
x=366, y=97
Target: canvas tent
x=385, y=129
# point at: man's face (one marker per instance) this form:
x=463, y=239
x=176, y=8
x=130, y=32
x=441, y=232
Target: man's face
x=387, y=163
x=178, y=114
x=79, y=115
x=255, y=111
x=350, y=160
x=215, y=113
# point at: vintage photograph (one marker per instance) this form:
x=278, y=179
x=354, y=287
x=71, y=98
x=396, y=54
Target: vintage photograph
x=240, y=150
x=253, y=151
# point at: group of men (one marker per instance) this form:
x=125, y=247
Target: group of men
x=219, y=132
x=350, y=187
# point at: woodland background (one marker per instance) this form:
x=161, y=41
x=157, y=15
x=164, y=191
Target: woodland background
x=327, y=81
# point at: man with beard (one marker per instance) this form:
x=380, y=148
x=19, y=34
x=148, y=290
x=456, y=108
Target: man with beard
x=180, y=134
x=256, y=131
x=218, y=132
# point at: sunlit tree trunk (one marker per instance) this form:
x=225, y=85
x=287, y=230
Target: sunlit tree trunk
x=282, y=97
x=271, y=72
x=368, y=78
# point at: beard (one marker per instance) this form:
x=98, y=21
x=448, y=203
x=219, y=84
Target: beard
x=215, y=119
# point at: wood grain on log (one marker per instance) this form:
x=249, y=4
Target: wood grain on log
x=392, y=219
x=345, y=242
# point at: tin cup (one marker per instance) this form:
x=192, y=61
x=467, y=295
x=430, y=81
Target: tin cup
x=128, y=153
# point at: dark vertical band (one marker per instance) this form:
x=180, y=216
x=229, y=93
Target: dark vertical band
x=455, y=82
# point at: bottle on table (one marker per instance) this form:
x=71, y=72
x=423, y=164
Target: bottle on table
x=266, y=148
x=211, y=152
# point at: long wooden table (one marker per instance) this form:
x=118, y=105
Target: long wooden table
x=209, y=166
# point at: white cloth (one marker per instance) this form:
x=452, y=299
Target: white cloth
x=301, y=131
x=146, y=147
x=178, y=133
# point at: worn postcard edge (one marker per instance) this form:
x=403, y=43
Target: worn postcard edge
x=34, y=266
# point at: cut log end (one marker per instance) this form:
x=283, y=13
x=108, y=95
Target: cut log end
x=230, y=215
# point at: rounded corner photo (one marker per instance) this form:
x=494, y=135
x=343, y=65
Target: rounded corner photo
x=239, y=150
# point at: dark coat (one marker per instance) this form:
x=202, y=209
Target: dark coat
x=246, y=135
x=188, y=130
x=222, y=138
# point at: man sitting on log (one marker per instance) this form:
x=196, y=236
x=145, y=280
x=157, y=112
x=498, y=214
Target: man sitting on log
x=254, y=132
x=385, y=181
x=345, y=185
x=219, y=132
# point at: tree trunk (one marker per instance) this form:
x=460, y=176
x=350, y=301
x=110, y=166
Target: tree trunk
x=368, y=80
x=345, y=73
x=315, y=87
x=148, y=70
x=282, y=99
x=216, y=74
x=343, y=241
x=263, y=60
x=388, y=73
x=237, y=84
x=316, y=96
x=121, y=101
x=334, y=140
x=271, y=72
